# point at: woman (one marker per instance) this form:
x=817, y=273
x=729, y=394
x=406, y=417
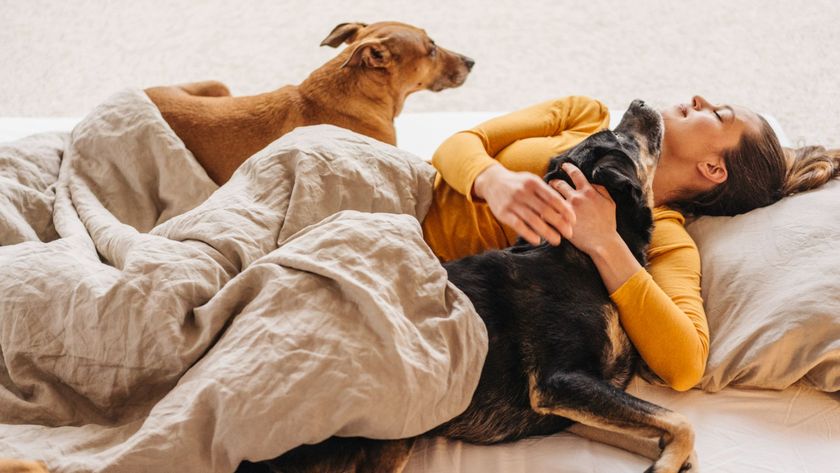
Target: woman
x=715, y=160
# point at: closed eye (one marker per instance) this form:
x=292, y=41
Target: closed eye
x=729, y=109
x=433, y=50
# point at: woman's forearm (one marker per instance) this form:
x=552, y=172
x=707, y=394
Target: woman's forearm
x=615, y=262
x=460, y=159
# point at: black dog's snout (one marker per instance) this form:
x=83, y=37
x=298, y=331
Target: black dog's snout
x=469, y=62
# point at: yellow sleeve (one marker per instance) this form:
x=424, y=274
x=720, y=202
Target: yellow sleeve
x=538, y=131
x=662, y=310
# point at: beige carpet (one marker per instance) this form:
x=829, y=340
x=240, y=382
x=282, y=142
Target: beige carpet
x=59, y=58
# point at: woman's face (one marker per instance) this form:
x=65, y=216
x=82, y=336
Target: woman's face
x=700, y=131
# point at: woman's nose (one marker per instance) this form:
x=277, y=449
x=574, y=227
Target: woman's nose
x=699, y=102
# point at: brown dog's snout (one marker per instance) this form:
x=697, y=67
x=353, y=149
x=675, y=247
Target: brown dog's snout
x=469, y=62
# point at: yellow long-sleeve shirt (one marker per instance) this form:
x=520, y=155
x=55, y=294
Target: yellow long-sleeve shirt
x=660, y=309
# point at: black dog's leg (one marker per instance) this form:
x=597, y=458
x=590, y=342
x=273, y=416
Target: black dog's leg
x=591, y=401
x=339, y=455
x=648, y=447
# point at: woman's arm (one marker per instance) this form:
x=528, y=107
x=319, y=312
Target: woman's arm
x=538, y=132
x=662, y=314
x=528, y=138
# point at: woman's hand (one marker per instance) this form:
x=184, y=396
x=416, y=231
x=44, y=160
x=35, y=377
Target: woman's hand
x=594, y=229
x=524, y=202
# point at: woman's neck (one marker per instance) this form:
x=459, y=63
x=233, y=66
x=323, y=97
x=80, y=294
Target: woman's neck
x=671, y=184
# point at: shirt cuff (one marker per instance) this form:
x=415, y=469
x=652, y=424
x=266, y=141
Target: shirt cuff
x=631, y=286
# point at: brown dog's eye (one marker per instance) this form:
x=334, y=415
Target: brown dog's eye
x=433, y=50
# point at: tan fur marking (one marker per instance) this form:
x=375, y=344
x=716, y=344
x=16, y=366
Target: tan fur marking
x=673, y=427
x=617, y=337
x=645, y=170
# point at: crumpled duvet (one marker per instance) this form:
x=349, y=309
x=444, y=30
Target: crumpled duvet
x=150, y=321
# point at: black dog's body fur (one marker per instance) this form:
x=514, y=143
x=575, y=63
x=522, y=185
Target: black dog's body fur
x=553, y=330
x=542, y=315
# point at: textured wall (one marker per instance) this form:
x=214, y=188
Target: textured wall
x=783, y=58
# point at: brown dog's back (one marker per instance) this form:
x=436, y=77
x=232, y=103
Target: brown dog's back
x=223, y=131
x=362, y=89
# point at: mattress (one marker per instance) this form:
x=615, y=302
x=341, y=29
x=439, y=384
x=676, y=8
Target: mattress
x=737, y=430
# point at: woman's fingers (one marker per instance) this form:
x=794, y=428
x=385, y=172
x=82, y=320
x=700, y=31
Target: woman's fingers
x=602, y=190
x=560, y=223
x=542, y=210
x=578, y=179
x=519, y=226
x=559, y=205
x=563, y=188
x=538, y=225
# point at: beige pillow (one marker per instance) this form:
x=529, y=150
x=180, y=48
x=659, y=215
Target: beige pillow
x=771, y=288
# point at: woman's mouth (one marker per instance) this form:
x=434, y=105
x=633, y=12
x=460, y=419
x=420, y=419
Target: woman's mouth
x=684, y=109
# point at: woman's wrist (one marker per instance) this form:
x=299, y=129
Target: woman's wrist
x=484, y=179
x=614, y=260
x=606, y=247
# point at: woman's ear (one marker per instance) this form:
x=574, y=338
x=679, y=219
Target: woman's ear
x=713, y=171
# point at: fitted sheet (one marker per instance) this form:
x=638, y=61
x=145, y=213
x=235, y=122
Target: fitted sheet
x=737, y=431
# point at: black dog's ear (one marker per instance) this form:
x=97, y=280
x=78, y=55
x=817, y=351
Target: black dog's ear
x=343, y=33
x=616, y=171
x=554, y=169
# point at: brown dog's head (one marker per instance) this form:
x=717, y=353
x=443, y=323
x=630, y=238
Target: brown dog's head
x=412, y=60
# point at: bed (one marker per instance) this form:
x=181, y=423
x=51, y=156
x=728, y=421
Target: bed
x=738, y=428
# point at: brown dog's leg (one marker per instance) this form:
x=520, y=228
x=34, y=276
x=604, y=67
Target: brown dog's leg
x=591, y=401
x=22, y=466
x=207, y=88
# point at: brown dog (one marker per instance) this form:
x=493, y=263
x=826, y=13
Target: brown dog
x=362, y=89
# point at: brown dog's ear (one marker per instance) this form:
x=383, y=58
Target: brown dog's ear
x=343, y=33
x=371, y=53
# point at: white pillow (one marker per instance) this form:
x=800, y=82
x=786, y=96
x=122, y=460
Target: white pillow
x=771, y=288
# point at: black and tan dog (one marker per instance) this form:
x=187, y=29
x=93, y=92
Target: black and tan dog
x=558, y=357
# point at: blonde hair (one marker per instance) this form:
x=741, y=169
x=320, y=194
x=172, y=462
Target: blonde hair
x=761, y=172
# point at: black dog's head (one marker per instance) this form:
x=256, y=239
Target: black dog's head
x=623, y=161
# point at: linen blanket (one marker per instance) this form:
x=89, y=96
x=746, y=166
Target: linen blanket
x=150, y=321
